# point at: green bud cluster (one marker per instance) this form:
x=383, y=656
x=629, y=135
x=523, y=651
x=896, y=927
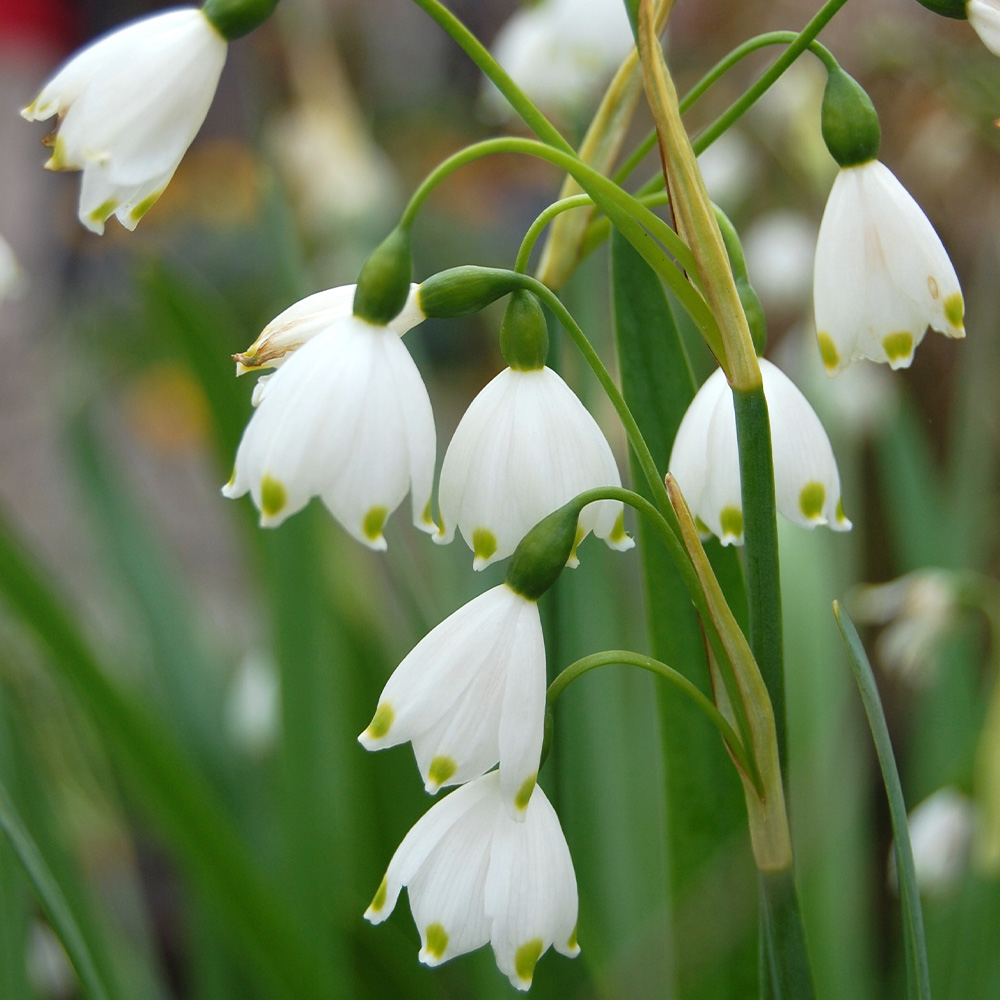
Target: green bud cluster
x=850, y=122
x=524, y=336
x=236, y=18
x=462, y=291
x=384, y=282
x=543, y=552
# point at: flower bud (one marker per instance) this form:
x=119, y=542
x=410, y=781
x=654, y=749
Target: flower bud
x=384, y=282
x=543, y=552
x=946, y=8
x=462, y=291
x=850, y=122
x=524, y=337
x=235, y=18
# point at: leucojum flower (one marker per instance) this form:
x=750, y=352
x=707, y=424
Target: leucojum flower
x=128, y=107
x=345, y=417
x=882, y=276
x=525, y=446
x=472, y=693
x=705, y=458
x=474, y=876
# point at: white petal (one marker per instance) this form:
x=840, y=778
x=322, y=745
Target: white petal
x=881, y=275
x=531, y=894
x=525, y=446
x=984, y=16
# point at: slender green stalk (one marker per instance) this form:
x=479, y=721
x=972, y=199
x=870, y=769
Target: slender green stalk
x=53, y=901
x=557, y=208
x=714, y=74
x=481, y=56
x=627, y=658
x=917, y=975
x=784, y=959
x=760, y=545
x=637, y=223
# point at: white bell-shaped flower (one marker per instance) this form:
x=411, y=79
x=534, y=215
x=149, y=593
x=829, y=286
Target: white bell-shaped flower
x=525, y=446
x=984, y=16
x=476, y=876
x=129, y=106
x=881, y=276
x=705, y=458
x=472, y=693
x=347, y=418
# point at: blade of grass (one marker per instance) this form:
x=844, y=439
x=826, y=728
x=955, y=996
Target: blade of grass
x=917, y=976
x=52, y=899
x=188, y=813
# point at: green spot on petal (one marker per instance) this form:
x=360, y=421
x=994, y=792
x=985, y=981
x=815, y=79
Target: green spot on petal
x=572, y=942
x=703, y=529
x=380, y=895
x=954, y=310
x=441, y=769
x=526, y=958
x=144, y=206
x=731, y=520
x=57, y=160
x=427, y=517
x=828, y=351
x=840, y=515
x=437, y=940
x=579, y=537
x=104, y=211
x=381, y=722
x=618, y=531
x=898, y=346
x=273, y=496
x=232, y=479
x=373, y=522
x=484, y=543
x=811, y=500
x=523, y=796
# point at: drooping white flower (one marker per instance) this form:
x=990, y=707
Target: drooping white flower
x=984, y=16
x=347, y=418
x=560, y=53
x=881, y=276
x=472, y=693
x=129, y=106
x=525, y=446
x=474, y=875
x=705, y=458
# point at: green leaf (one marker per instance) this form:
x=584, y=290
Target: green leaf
x=53, y=900
x=917, y=977
x=706, y=819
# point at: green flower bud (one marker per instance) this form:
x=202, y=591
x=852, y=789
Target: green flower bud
x=524, y=337
x=384, y=282
x=461, y=291
x=236, y=18
x=850, y=122
x=543, y=552
x=947, y=8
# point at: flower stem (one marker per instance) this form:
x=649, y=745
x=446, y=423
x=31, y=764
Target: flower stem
x=627, y=658
x=760, y=534
x=481, y=56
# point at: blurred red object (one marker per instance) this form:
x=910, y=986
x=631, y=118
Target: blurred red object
x=51, y=24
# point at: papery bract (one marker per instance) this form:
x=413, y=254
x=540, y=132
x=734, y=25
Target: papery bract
x=474, y=875
x=525, y=446
x=129, y=106
x=705, y=459
x=881, y=276
x=472, y=693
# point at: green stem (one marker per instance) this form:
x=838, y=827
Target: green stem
x=760, y=546
x=784, y=959
x=481, y=56
x=557, y=208
x=627, y=658
x=637, y=223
